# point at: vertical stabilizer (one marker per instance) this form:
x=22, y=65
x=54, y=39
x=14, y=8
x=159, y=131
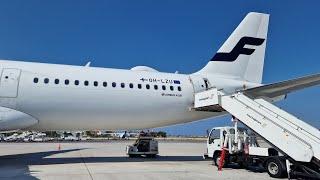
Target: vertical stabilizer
x=242, y=55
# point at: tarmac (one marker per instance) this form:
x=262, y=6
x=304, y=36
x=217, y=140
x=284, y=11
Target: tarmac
x=107, y=160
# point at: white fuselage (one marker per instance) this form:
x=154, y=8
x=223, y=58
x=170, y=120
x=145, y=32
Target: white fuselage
x=66, y=105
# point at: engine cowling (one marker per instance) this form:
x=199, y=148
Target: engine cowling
x=11, y=119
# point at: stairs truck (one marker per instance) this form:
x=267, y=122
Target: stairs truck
x=231, y=83
x=232, y=144
x=297, y=141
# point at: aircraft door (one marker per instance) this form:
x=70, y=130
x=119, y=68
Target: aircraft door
x=199, y=83
x=207, y=83
x=9, y=82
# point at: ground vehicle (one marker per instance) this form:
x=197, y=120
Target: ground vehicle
x=84, y=138
x=298, y=141
x=147, y=146
x=27, y=138
x=70, y=138
x=2, y=137
x=11, y=138
x=38, y=137
x=241, y=148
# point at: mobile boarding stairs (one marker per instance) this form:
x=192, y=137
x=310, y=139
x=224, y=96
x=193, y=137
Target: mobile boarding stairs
x=297, y=140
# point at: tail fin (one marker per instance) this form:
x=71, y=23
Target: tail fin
x=242, y=55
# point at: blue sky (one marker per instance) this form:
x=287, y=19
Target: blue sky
x=180, y=35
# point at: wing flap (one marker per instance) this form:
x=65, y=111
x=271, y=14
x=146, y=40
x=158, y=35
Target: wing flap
x=282, y=88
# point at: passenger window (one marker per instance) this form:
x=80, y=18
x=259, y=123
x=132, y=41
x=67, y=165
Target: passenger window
x=122, y=85
x=104, y=84
x=114, y=84
x=131, y=85
x=155, y=87
x=179, y=88
x=171, y=88
x=76, y=82
x=95, y=83
x=139, y=86
x=148, y=86
x=56, y=81
x=66, y=82
x=86, y=83
x=46, y=80
x=35, y=80
x=163, y=87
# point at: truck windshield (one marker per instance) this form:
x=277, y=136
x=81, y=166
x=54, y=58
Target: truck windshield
x=215, y=134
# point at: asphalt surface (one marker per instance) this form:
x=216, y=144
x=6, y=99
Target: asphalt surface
x=107, y=160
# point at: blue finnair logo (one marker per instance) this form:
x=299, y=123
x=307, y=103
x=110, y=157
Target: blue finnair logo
x=176, y=81
x=238, y=49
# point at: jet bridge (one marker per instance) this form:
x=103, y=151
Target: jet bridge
x=299, y=141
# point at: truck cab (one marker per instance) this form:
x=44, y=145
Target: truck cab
x=233, y=138
x=241, y=147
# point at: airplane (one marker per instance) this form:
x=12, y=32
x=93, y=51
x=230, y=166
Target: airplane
x=42, y=97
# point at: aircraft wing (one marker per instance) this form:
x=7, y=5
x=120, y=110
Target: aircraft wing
x=278, y=89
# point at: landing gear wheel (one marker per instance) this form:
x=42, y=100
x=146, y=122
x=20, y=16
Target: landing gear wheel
x=275, y=168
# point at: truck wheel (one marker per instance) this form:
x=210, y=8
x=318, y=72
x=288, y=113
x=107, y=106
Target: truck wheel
x=275, y=168
x=243, y=165
x=216, y=160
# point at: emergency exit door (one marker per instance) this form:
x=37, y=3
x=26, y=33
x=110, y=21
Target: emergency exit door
x=9, y=82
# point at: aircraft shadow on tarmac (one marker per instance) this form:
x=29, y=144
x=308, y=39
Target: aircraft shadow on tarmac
x=17, y=166
x=38, y=158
